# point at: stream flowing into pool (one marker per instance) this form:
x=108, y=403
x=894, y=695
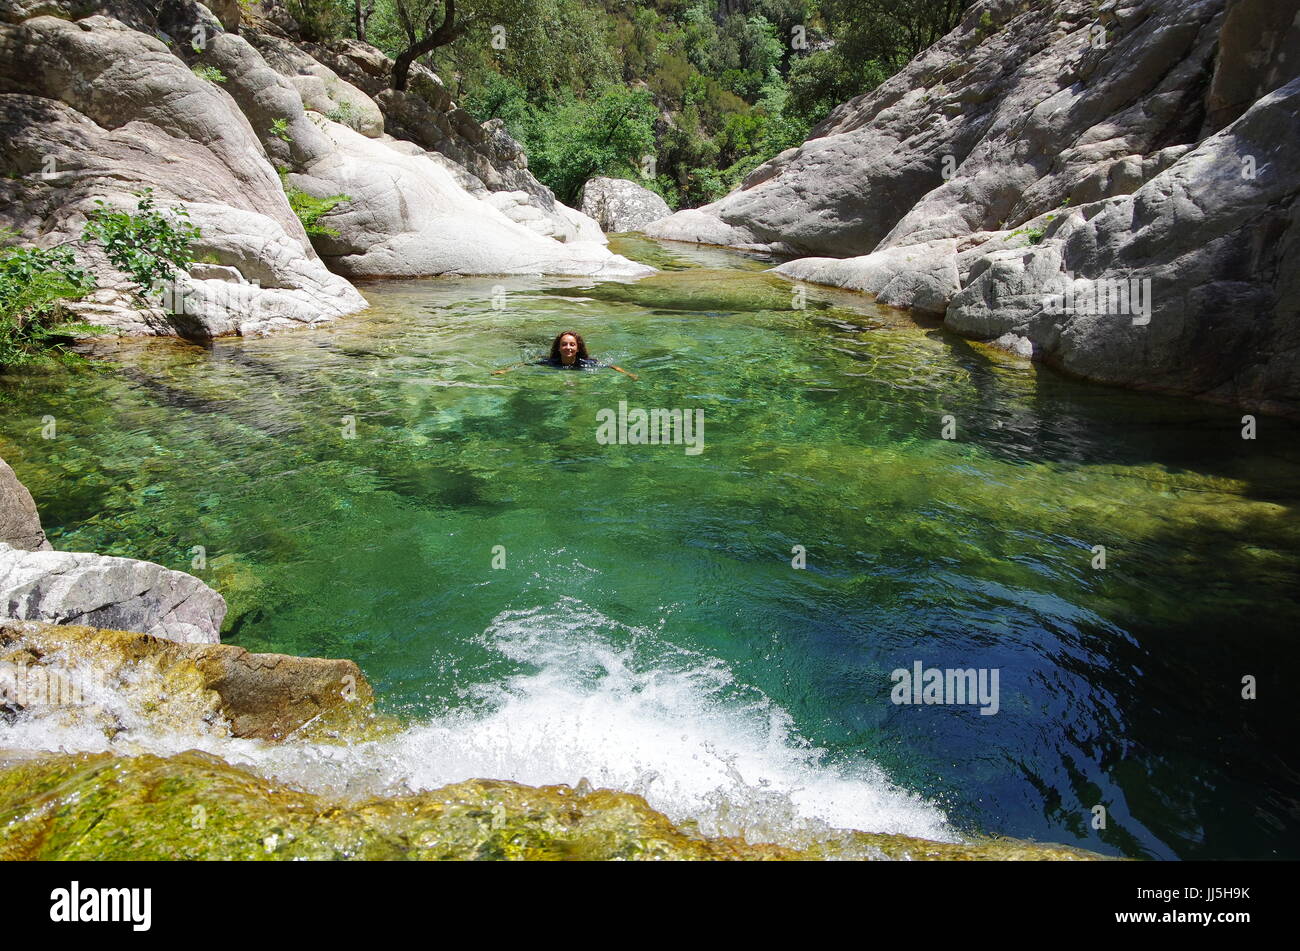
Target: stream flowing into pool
x=718, y=630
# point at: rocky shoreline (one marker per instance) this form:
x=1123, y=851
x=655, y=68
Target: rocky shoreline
x=1147, y=147
x=98, y=101
x=121, y=686
x=1134, y=144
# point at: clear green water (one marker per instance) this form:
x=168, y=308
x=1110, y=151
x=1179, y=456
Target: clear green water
x=648, y=629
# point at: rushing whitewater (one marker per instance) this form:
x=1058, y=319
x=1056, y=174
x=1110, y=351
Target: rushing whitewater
x=651, y=718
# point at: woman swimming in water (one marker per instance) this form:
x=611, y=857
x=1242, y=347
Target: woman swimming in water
x=569, y=352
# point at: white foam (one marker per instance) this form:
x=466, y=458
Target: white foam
x=621, y=707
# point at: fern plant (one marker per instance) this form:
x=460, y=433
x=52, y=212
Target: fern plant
x=34, y=283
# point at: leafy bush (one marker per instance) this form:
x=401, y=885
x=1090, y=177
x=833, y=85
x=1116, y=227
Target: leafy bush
x=148, y=246
x=319, y=20
x=574, y=140
x=280, y=129
x=34, y=282
x=344, y=113
x=310, y=209
x=210, y=73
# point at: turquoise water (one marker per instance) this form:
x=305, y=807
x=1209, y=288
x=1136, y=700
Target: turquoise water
x=648, y=629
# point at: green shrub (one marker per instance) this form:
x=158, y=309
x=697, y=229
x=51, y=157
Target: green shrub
x=210, y=73
x=310, y=209
x=1034, y=235
x=318, y=20
x=148, y=246
x=34, y=282
x=344, y=114
x=280, y=129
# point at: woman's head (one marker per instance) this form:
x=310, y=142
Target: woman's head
x=568, y=347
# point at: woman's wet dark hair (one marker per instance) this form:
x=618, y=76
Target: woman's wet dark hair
x=555, y=346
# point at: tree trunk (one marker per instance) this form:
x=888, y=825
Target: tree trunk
x=361, y=12
x=432, y=39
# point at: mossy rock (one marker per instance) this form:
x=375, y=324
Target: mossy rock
x=196, y=806
x=215, y=689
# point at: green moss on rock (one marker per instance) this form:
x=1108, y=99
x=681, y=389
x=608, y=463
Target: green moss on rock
x=196, y=806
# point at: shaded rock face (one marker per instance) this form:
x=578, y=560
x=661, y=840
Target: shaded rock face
x=617, y=204
x=20, y=525
x=1041, y=144
x=81, y=587
x=95, y=106
x=126, y=682
x=1212, y=254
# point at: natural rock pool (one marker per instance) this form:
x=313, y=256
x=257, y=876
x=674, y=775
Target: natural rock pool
x=355, y=490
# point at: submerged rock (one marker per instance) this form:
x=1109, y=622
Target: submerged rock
x=20, y=524
x=196, y=806
x=135, y=682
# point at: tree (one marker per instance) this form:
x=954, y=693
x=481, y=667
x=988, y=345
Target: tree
x=417, y=20
x=361, y=14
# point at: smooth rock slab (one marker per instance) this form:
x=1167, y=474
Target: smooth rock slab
x=84, y=588
x=920, y=277
x=409, y=216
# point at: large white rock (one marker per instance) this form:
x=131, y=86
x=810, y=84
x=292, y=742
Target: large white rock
x=1217, y=251
x=409, y=216
x=1131, y=141
x=920, y=277
x=148, y=121
x=997, y=123
x=101, y=591
x=617, y=204
x=212, y=148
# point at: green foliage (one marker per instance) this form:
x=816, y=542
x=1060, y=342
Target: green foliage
x=550, y=46
x=1033, y=235
x=344, y=113
x=574, y=140
x=320, y=20
x=34, y=283
x=148, y=245
x=280, y=129
x=732, y=83
x=310, y=209
x=210, y=73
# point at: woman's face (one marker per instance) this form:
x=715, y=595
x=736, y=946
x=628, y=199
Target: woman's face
x=568, y=348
